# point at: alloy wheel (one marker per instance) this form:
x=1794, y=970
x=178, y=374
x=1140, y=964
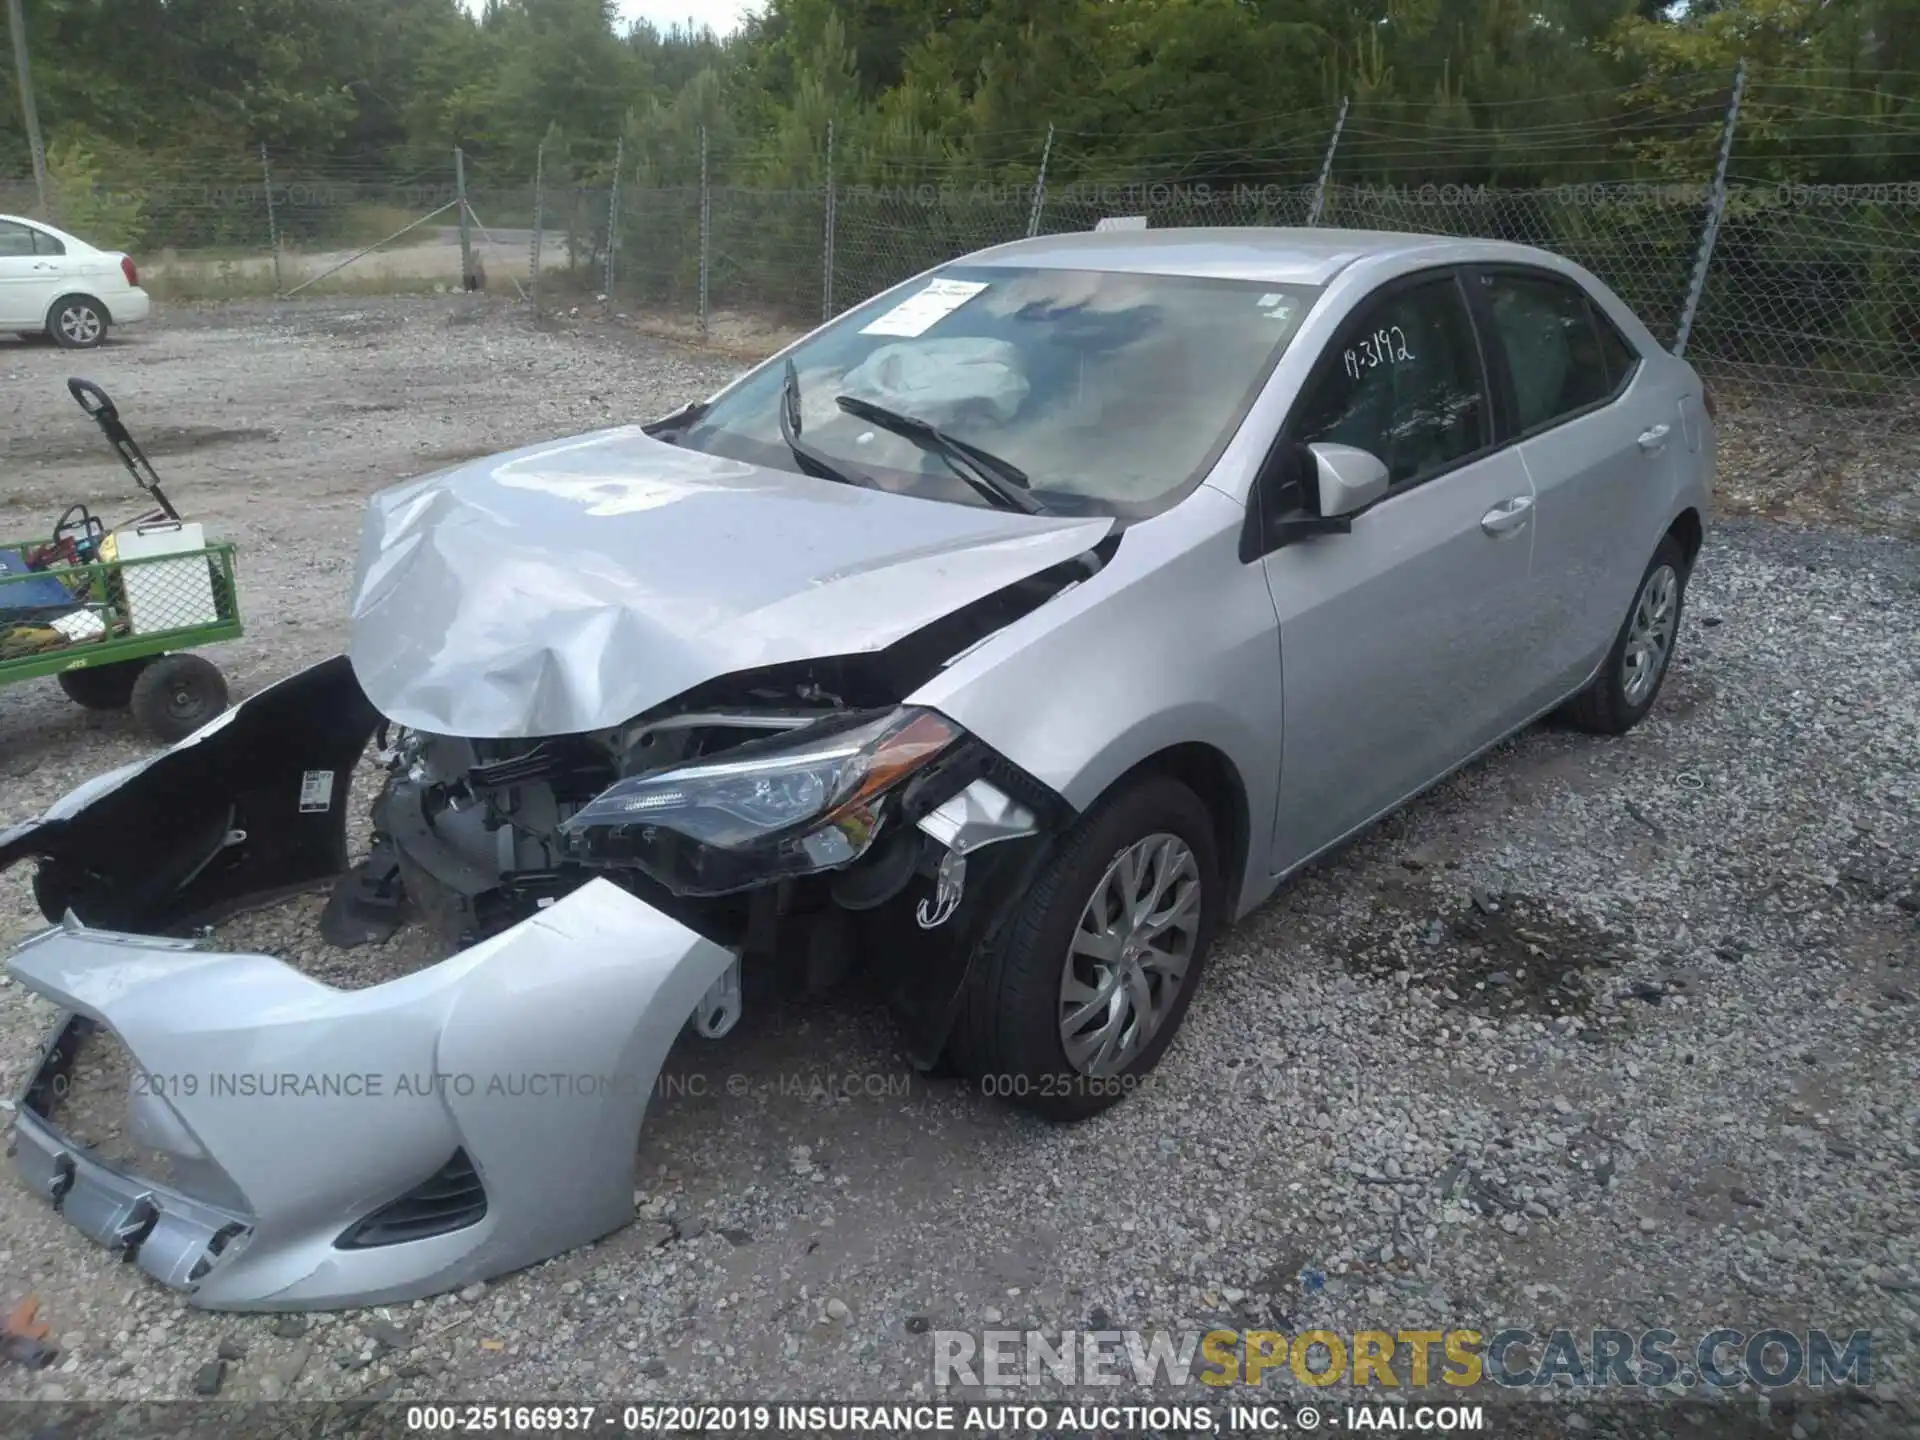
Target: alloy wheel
x=1129, y=955
x=80, y=324
x=1650, y=634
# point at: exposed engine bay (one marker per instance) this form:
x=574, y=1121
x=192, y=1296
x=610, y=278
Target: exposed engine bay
x=472, y=836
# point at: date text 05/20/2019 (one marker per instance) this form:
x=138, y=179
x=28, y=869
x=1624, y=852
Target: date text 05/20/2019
x=1056, y=1419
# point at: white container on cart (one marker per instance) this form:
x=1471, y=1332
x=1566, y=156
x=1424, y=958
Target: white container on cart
x=164, y=594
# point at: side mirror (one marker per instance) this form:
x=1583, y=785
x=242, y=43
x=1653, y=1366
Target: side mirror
x=1350, y=479
x=1306, y=490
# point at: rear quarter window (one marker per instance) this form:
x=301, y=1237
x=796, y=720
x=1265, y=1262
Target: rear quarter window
x=1622, y=359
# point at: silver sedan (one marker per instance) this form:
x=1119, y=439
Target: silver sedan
x=1009, y=635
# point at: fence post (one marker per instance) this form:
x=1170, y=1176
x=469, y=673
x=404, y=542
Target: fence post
x=466, y=231
x=706, y=232
x=1326, y=166
x=826, y=241
x=1716, y=207
x=1040, y=187
x=539, y=221
x=273, y=227
x=29, y=114
x=613, y=213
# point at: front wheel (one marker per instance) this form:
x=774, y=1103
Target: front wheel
x=77, y=322
x=1082, y=994
x=177, y=694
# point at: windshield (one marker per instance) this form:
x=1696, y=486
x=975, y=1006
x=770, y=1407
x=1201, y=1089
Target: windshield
x=1112, y=393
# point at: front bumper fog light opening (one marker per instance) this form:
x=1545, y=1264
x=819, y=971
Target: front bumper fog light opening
x=216, y=1247
x=450, y=1199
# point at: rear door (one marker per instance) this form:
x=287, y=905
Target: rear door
x=1398, y=638
x=21, y=279
x=1594, y=432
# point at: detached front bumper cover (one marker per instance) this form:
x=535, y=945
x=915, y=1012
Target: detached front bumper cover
x=328, y=1148
x=489, y=1105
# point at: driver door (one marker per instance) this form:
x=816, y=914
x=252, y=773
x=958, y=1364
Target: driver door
x=1400, y=641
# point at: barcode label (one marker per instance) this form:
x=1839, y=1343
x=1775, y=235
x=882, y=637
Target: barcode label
x=316, y=791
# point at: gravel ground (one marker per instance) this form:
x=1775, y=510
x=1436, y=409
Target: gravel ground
x=1598, y=1033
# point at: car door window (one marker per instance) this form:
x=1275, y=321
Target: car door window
x=1552, y=341
x=45, y=244
x=1403, y=382
x=15, y=240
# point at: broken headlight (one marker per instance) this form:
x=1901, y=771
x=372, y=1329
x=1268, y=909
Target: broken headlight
x=809, y=800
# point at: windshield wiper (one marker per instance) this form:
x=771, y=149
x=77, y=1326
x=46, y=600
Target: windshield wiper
x=1001, y=481
x=811, y=460
x=679, y=420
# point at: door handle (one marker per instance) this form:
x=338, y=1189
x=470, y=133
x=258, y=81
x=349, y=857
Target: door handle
x=1654, y=439
x=1508, y=516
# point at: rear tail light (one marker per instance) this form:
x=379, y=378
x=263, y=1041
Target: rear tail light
x=127, y=269
x=1707, y=400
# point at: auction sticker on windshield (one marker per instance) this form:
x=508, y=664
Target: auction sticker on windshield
x=919, y=313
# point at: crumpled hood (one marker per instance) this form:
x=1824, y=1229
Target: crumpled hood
x=570, y=586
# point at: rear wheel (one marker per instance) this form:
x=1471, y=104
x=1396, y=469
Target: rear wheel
x=102, y=687
x=1083, y=993
x=177, y=694
x=77, y=322
x=1620, y=696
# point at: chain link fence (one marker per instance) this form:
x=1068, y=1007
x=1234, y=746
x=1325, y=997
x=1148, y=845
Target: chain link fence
x=1808, y=294
x=1811, y=293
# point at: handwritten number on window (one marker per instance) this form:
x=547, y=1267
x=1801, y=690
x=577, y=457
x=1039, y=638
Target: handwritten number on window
x=1382, y=347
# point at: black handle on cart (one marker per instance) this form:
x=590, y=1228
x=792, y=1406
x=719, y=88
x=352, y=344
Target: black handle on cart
x=97, y=403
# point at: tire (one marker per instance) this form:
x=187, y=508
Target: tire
x=1010, y=1033
x=78, y=322
x=1619, y=697
x=176, y=694
x=102, y=687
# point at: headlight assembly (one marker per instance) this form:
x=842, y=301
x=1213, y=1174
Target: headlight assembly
x=806, y=801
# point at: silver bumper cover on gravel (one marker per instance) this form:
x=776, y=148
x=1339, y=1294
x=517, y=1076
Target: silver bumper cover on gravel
x=332, y=1148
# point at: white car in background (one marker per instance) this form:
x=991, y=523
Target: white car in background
x=57, y=284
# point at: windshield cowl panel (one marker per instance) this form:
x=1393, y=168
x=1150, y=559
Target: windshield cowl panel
x=1113, y=392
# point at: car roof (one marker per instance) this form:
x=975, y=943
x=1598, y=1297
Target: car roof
x=1275, y=254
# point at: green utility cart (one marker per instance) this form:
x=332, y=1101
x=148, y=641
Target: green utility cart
x=113, y=615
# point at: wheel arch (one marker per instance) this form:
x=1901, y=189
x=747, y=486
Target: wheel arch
x=1209, y=773
x=64, y=296
x=1690, y=531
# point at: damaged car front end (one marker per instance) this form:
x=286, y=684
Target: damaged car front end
x=662, y=720
x=595, y=891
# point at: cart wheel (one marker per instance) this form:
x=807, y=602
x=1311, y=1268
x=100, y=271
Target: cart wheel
x=102, y=687
x=176, y=694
